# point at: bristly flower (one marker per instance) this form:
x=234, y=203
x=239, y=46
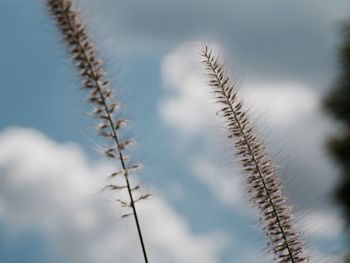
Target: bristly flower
x=90, y=68
x=263, y=181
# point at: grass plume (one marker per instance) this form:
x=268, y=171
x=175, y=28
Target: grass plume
x=92, y=73
x=263, y=181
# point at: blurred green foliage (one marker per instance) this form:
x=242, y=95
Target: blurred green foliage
x=337, y=103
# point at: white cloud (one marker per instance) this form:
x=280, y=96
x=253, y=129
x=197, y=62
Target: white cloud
x=281, y=103
x=51, y=187
x=227, y=187
x=322, y=224
x=190, y=105
x=322, y=257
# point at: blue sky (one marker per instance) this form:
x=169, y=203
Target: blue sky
x=50, y=207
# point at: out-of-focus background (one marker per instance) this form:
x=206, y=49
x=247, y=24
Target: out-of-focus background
x=283, y=54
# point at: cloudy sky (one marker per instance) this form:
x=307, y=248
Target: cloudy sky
x=51, y=170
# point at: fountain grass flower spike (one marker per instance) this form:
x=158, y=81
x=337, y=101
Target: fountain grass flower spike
x=91, y=71
x=263, y=181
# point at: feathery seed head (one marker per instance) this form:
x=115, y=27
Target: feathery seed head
x=263, y=181
x=90, y=68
